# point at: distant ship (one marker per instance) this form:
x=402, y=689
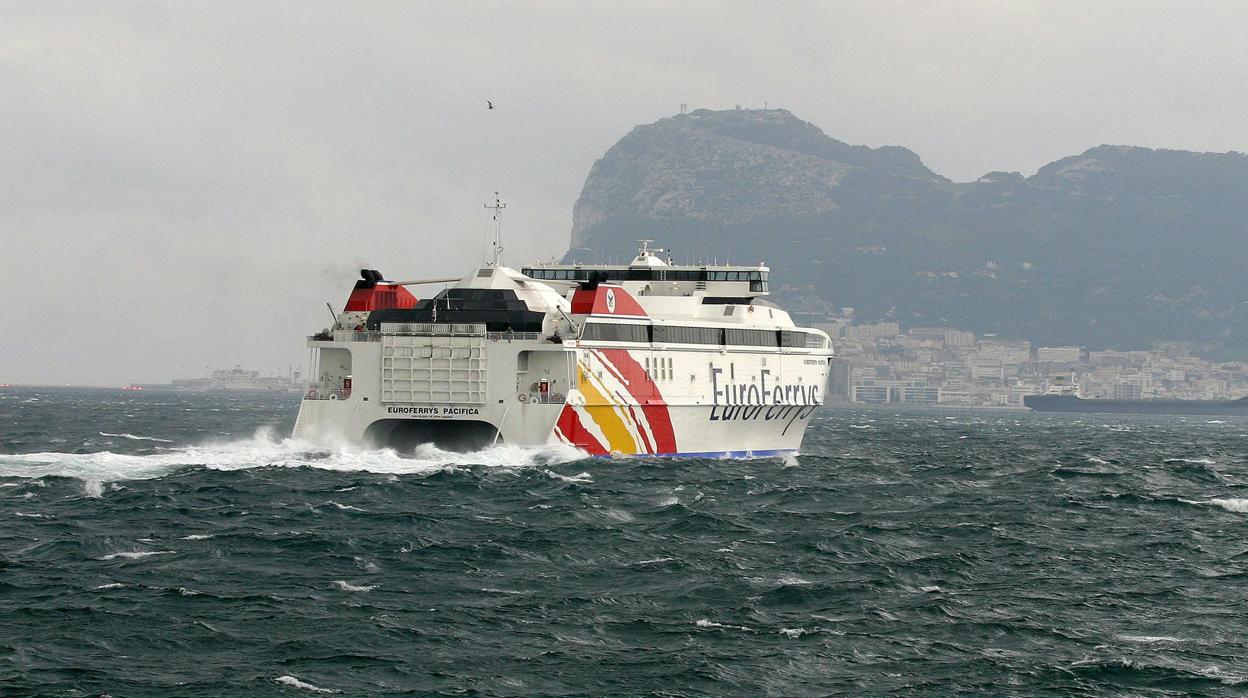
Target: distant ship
x=238, y=379
x=1074, y=403
x=227, y=380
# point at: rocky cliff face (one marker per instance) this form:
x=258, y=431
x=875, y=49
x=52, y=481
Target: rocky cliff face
x=1119, y=246
x=732, y=167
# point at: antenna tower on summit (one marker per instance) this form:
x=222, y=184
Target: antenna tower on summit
x=497, y=208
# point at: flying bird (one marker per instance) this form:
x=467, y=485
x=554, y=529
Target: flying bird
x=489, y=104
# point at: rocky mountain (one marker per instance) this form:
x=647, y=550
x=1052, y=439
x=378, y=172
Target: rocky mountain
x=1117, y=247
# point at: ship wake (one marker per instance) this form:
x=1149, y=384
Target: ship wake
x=266, y=450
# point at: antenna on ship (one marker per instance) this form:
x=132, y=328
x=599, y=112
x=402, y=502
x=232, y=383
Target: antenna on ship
x=497, y=208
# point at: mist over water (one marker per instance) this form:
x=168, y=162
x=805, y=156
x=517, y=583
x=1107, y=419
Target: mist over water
x=161, y=544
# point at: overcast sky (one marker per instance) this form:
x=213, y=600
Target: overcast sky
x=184, y=185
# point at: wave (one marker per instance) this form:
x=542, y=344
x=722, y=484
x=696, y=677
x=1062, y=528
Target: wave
x=303, y=685
x=266, y=450
x=582, y=478
x=135, y=555
x=1239, y=506
x=344, y=586
x=134, y=437
x=704, y=623
x=1157, y=672
x=1149, y=638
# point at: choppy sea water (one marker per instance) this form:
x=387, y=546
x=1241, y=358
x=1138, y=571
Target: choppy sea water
x=160, y=544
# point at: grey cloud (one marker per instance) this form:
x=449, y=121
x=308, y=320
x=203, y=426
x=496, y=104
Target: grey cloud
x=186, y=184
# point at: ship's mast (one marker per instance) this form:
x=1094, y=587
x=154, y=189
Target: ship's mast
x=497, y=208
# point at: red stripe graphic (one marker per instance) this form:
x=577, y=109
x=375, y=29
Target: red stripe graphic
x=570, y=425
x=646, y=393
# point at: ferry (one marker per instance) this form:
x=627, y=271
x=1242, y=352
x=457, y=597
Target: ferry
x=648, y=358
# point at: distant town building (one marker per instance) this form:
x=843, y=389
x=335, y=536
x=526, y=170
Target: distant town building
x=879, y=329
x=1062, y=355
x=882, y=364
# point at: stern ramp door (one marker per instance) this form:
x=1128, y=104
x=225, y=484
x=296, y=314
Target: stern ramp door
x=433, y=363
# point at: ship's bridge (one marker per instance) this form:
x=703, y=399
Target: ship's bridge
x=650, y=273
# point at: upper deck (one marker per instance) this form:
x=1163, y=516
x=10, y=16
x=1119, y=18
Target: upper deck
x=658, y=276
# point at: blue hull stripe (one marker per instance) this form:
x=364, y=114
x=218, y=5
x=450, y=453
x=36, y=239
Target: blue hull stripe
x=710, y=454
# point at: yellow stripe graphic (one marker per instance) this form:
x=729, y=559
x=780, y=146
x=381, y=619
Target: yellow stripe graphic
x=600, y=408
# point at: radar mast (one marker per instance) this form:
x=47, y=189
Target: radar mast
x=496, y=217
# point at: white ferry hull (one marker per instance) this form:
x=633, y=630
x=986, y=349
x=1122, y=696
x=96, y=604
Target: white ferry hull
x=616, y=407
x=710, y=431
x=685, y=364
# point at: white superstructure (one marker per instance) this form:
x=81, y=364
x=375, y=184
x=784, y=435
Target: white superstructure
x=643, y=358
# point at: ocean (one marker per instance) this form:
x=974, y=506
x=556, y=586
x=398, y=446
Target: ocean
x=161, y=544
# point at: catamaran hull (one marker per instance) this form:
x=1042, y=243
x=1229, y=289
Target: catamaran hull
x=695, y=430
x=600, y=370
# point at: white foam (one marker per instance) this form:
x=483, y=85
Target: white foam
x=1098, y=461
x=793, y=633
x=793, y=581
x=344, y=507
x=135, y=555
x=93, y=488
x=704, y=623
x=1239, y=506
x=790, y=460
x=114, y=585
x=1193, y=461
x=929, y=589
x=619, y=515
x=303, y=685
x=351, y=587
x=655, y=561
x=31, y=516
x=197, y=536
x=583, y=477
x=265, y=449
x=135, y=437
x=1148, y=638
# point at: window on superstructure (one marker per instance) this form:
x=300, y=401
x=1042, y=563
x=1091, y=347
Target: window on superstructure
x=675, y=334
x=752, y=338
x=611, y=332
